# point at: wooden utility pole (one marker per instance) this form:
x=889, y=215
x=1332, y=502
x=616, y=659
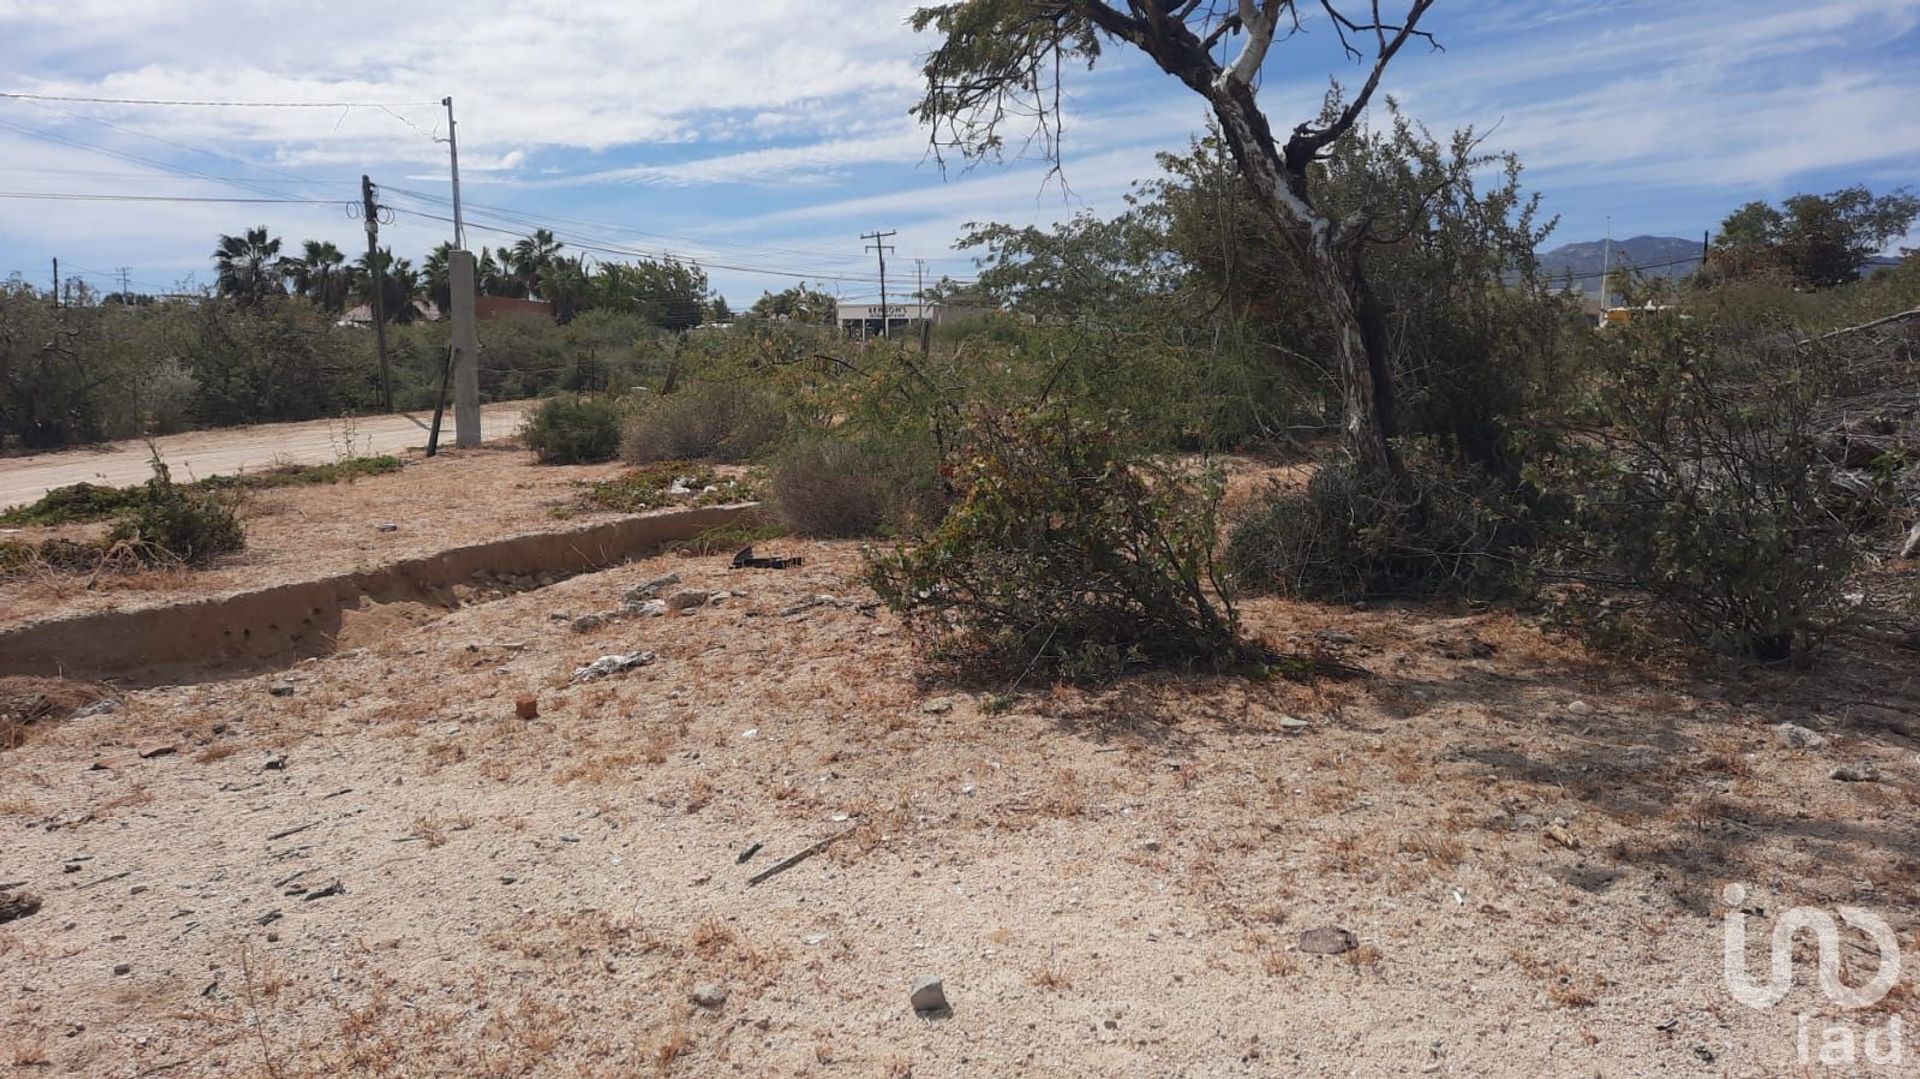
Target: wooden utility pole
x=920, y=298
x=56, y=283
x=880, y=248
x=370, y=210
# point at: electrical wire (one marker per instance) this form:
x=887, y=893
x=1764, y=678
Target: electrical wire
x=90, y=196
x=24, y=96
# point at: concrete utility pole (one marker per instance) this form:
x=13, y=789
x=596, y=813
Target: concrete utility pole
x=56, y=283
x=880, y=248
x=466, y=351
x=453, y=153
x=370, y=210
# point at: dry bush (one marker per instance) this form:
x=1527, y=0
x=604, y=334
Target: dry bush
x=1064, y=554
x=833, y=487
x=1454, y=530
x=711, y=421
x=1699, y=477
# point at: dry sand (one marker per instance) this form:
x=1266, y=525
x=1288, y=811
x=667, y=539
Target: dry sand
x=385, y=872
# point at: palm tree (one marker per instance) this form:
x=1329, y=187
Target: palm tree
x=402, y=286
x=532, y=256
x=438, y=279
x=496, y=277
x=568, y=284
x=321, y=275
x=249, y=265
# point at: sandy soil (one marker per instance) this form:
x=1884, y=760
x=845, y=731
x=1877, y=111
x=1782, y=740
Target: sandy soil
x=385, y=872
x=231, y=449
x=297, y=533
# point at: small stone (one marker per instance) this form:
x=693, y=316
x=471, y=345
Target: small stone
x=274, y=763
x=1559, y=834
x=709, y=996
x=1579, y=708
x=123, y=969
x=647, y=590
x=157, y=749
x=653, y=608
x=1794, y=736
x=750, y=733
x=939, y=706
x=929, y=994
x=104, y=707
x=1294, y=725
x=18, y=905
x=387, y=527
x=1327, y=940
x=689, y=598
x=282, y=688
x=526, y=706
x=587, y=623
x=1863, y=772
x=1150, y=846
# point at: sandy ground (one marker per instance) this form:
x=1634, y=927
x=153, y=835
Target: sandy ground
x=230, y=449
x=299, y=533
x=386, y=872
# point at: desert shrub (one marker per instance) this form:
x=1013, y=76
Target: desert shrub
x=179, y=523
x=1698, y=476
x=1453, y=530
x=712, y=421
x=76, y=503
x=574, y=430
x=831, y=486
x=1063, y=554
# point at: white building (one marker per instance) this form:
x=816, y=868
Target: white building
x=864, y=320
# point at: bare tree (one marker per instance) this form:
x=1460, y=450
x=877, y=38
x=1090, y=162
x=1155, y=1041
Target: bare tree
x=1000, y=64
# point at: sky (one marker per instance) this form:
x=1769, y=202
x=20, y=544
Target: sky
x=763, y=137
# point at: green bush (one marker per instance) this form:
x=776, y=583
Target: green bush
x=1455, y=530
x=675, y=483
x=572, y=430
x=1698, y=475
x=832, y=486
x=1064, y=554
x=708, y=421
x=179, y=523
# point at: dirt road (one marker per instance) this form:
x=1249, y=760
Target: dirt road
x=206, y=453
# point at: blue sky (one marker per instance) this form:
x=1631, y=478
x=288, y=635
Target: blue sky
x=764, y=136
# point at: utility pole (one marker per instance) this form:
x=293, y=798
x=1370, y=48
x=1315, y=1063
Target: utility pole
x=370, y=210
x=56, y=284
x=453, y=153
x=879, y=247
x=1606, y=268
x=126, y=287
x=466, y=351
x=920, y=297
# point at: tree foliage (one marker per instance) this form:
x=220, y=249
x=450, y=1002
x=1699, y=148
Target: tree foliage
x=1817, y=241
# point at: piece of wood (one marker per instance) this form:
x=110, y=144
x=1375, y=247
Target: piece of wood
x=792, y=860
x=295, y=831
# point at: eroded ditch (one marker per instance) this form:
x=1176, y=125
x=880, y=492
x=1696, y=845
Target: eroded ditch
x=267, y=629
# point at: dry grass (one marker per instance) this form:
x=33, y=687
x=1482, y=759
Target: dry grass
x=1054, y=976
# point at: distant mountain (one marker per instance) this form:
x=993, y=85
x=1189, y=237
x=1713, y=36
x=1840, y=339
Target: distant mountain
x=1656, y=256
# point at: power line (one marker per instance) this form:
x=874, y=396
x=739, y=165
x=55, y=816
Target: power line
x=81, y=196
x=242, y=162
x=23, y=96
